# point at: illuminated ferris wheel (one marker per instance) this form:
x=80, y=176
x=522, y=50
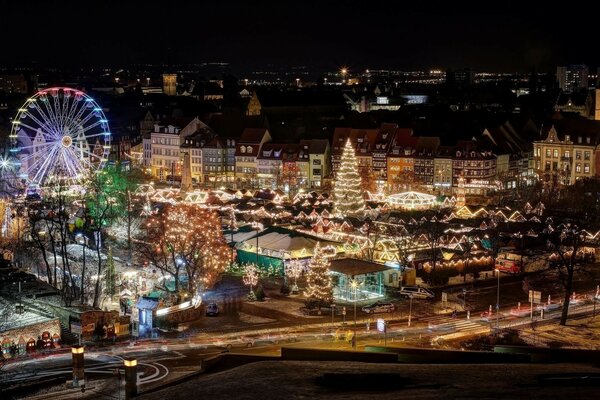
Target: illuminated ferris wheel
x=59, y=135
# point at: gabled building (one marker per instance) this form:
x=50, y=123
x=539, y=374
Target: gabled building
x=166, y=139
x=476, y=166
x=319, y=162
x=512, y=153
x=400, y=160
x=294, y=168
x=424, y=155
x=383, y=144
x=218, y=161
x=246, y=152
x=270, y=165
x=568, y=152
x=442, y=169
x=363, y=141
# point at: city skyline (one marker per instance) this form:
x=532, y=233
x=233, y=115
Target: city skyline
x=327, y=36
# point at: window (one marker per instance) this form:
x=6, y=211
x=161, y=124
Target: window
x=578, y=167
x=586, y=156
x=548, y=153
x=555, y=166
x=567, y=153
x=547, y=165
x=316, y=162
x=242, y=149
x=249, y=149
x=578, y=155
x=586, y=168
x=555, y=153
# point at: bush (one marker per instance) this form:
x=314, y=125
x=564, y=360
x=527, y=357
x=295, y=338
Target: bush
x=285, y=289
x=260, y=294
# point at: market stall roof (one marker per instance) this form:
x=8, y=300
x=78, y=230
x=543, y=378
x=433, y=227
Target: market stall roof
x=353, y=266
x=282, y=239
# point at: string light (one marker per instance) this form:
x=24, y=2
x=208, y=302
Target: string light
x=348, y=195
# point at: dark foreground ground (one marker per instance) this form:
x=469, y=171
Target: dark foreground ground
x=310, y=380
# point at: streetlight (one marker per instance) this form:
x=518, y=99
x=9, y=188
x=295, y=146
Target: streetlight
x=410, y=296
x=498, y=302
x=258, y=226
x=354, y=285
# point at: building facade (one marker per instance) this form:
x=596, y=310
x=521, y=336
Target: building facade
x=247, y=150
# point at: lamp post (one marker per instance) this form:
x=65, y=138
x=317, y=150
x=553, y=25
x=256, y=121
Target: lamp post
x=258, y=226
x=410, y=296
x=78, y=367
x=130, y=377
x=354, y=286
x=498, y=302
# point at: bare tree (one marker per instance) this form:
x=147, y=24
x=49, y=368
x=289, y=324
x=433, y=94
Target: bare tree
x=567, y=242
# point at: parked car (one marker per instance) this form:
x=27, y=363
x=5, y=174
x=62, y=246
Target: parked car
x=212, y=309
x=417, y=292
x=379, y=307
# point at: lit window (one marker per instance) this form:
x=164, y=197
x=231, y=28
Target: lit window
x=577, y=167
x=586, y=168
x=555, y=153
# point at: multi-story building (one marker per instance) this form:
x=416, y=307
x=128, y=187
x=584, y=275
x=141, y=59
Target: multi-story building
x=562, y=158
x=401, y=160
x=512, y=152
x=423, y=160
x=193, y=146
x=166, y=140
x=218, y=161
x=246, y=151
x=572, y=78
x=147, y=151
x=476, y=167
x=269, y=165
x=319, y=162
x=442, y=169
x=383, y=143
x=363, y=141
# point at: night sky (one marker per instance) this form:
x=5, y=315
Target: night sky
x=321, y=34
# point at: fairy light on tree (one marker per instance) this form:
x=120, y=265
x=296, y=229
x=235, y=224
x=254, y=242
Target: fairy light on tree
x=319, y=291
x=293, y=270
x=251, y=279
x=347, y=187
x=185, y=240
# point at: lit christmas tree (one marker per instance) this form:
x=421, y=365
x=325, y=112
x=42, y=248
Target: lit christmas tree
x=348, y=195
x=319, y=291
